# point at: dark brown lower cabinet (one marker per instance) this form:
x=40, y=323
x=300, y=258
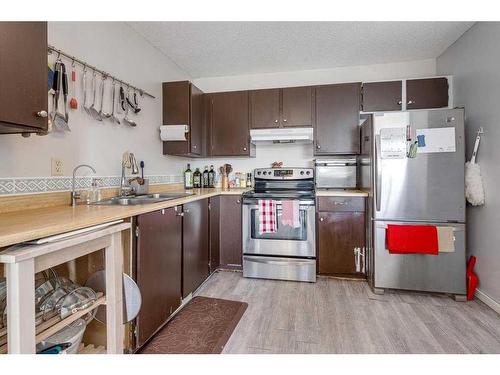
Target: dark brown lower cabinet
x=159, y=257
x=195, y=252
x=339, y=233
x=230, y=232
x=214, y=233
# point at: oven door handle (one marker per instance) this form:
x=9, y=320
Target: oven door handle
x=305, y=203
x=286, y=262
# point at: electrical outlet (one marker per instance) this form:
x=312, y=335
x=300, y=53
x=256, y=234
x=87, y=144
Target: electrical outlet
x=57, y=167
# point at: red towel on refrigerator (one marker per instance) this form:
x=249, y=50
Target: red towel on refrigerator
x=412, y=239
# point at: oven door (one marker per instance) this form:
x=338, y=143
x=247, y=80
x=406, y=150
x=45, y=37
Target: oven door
x=286, y=241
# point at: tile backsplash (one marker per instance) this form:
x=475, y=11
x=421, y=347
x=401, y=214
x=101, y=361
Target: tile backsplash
x=30, y=185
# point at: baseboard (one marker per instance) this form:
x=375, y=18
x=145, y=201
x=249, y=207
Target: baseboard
x=487, y=300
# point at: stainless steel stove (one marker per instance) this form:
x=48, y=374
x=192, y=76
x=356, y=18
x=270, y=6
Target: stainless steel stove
x=289, y=253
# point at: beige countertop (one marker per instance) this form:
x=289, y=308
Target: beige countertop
x=20, y=226
x=340, y=193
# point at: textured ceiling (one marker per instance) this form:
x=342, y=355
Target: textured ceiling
x=206, y=49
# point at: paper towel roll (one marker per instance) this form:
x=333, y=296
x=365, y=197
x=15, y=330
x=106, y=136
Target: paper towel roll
x=173, y=132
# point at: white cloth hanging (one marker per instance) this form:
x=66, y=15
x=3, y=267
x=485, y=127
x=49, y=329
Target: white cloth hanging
x=474, y=190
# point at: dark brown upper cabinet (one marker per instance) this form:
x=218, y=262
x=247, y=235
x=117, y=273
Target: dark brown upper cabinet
x=382, y=96
x=336, y=128
x=287, y=107
x=228, y=118
x=23, y=77
x=427, y=93
x=264, y=108
x=183, y=105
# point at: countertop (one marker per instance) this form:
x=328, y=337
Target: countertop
x=20, y=226
x=340, y=193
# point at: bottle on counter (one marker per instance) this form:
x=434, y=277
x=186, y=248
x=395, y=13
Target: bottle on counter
x=243, y=182
x=249, y=180
x=237, y=179
x=95, y=193
x=211, y=177
x=205, y=178
x=188, y=178
x=197, y=178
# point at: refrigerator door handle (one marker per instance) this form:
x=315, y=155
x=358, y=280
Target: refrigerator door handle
x=378, y=174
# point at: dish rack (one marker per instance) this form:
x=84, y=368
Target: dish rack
x=25, y=326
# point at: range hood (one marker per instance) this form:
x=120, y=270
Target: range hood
x=281, y=135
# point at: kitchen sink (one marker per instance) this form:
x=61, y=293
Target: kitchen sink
x=141, y=199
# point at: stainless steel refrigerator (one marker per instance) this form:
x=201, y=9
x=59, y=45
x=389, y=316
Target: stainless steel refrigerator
x=427, y=189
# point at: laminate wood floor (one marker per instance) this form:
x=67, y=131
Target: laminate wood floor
x=344, y=316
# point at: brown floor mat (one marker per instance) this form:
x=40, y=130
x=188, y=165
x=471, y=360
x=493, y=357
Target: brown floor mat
x=202, y=327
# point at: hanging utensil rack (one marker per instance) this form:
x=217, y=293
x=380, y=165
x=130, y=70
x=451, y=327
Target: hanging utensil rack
x=83, y=63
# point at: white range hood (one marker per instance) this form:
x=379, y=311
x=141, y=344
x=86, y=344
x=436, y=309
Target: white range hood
x=281, y=135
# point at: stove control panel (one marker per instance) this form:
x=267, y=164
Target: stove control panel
x=284, y=173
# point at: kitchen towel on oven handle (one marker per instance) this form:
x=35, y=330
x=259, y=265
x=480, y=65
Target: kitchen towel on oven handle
x=290, y=211
x=267, y=216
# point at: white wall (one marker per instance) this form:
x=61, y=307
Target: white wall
x=473, y=61
x=302, y=155
x=118, y=49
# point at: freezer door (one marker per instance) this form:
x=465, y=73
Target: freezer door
x=444, y=273
x=429, y=187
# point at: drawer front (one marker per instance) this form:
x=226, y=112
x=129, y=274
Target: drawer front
x=294, y=269
x=342, y=204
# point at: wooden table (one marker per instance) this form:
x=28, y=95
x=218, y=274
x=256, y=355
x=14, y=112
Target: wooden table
x=23, y=261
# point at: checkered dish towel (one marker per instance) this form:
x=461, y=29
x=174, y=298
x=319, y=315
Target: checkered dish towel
x=267, y=216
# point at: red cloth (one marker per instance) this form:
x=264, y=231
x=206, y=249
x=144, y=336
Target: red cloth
x=412, y=239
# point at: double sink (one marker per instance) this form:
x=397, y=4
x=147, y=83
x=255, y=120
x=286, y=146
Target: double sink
x=141, y=199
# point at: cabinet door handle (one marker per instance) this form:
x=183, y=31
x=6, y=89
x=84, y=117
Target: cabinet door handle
x=238, y=201
x=337, y=203
x=42, y=114
x=180, y=214
x=244, y=148
x=275, y=121
x=321, y=219
x=318, y=146
x=284, y=120
x=411, y=102
x=400, y=102
x=194, y=146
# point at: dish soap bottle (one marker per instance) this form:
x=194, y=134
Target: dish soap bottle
x=95, y=193
x=205, y=177
x=211, y=177
x=188, y=178
x=197, y=178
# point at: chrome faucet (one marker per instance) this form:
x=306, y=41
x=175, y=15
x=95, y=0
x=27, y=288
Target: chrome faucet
x=74, y=195
x=128, y=161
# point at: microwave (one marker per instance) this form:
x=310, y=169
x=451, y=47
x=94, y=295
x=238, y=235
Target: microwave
x=336, y=172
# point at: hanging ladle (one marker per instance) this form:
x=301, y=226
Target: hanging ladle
x=126, y=120
x=113, y=116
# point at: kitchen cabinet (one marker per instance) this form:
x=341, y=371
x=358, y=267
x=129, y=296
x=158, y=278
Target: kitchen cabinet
x=382, y=96
x=427, y=93
x=264, y=108
x=195, y=252
x=341, y=229
x=228, y=117
x=183, y=105
x=230, y=244
x=23, y=77
x=336, y=128
x=159, y=267
x=214, y=213
x=286, y=107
